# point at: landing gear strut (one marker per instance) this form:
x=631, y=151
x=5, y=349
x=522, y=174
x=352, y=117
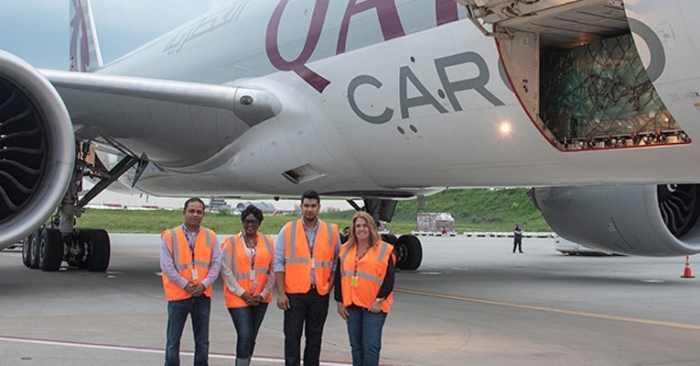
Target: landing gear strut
x=47, y=247
x=407, y=248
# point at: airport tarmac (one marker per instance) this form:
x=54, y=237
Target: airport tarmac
x=471, y=302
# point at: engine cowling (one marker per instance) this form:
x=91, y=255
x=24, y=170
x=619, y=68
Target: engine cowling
x=644, y=220
x=37, y=149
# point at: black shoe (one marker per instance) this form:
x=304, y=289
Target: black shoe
x=522, y=252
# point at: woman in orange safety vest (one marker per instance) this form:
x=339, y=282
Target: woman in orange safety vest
x=246, y=267
x=365, y=281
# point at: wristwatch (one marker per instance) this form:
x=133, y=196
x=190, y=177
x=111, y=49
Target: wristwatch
x=379, y=299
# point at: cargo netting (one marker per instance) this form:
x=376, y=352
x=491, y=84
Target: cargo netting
x=600, y=90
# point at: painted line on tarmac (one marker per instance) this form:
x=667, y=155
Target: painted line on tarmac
x=109, y=347
x=552, y=310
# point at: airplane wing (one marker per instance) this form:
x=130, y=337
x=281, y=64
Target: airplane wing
x=160, y=117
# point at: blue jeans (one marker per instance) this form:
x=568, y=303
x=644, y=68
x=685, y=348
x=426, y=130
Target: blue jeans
x=365, y=332
x=247, y=321
x=198, y=308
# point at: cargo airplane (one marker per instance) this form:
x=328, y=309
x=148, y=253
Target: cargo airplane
x=594, y=103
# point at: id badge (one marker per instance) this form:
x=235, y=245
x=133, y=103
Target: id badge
x=252, y=274
x=353, y=281
x=313, y=263
x=195, y=276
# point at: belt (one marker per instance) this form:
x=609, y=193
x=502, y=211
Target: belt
x=313, y=286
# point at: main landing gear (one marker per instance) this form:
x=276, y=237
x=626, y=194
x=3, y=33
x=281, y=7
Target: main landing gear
x=407, y=248
x=48, y=246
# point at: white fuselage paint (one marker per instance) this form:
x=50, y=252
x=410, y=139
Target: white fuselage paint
x=393, y=130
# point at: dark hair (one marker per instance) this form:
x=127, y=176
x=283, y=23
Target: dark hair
x=193, y=199
x=310, y=194
x=251, y=209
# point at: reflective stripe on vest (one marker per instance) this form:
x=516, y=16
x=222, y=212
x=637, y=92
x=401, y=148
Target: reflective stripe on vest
x=263, y=260
x=176, y=252
x=185, y=263
x=246, y=274
x=371, y=271
x=297, y=258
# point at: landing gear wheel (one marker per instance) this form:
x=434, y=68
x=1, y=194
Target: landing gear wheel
x=409, y=252
x=50, y=250
x=401, y=253
x=34, y=249
x=389, y=238
x=98, y=250
x=27, y=250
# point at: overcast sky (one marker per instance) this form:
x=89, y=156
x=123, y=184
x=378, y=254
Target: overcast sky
x=37, y=30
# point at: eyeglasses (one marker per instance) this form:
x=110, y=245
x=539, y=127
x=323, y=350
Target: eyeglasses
x=251, y=222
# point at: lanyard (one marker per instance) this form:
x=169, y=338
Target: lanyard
x=354, y=281
x=357, y=259
x=191, y=239
x=312, y=243
x=250, y=253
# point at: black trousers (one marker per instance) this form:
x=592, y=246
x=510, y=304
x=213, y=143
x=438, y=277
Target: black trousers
x=306, y=310
x=517, y=243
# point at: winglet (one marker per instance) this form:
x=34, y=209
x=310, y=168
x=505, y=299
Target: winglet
x=85, y=53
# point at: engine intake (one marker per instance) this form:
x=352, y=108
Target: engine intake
x=37, y=149
x=645, y=220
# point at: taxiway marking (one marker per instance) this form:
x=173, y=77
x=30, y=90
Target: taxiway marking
x=552, y=310
x=141, y=349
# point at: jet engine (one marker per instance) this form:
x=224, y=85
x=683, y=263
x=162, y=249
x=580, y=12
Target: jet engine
x=37, y=149
x=645, y=220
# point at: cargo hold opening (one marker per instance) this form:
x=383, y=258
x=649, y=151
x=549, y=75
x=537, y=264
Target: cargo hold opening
x=576, y=70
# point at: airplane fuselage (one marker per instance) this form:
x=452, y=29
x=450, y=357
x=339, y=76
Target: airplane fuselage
x=593, y=102
x=381, y=96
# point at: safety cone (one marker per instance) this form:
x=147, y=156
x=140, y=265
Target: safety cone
x=687, y=273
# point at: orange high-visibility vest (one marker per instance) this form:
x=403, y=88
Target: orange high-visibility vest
x=185, y=263
x=241, y=267
x=298, y=261
x=371, y=271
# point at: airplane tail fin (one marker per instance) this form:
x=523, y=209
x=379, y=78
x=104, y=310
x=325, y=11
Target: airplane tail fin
x=85, y=53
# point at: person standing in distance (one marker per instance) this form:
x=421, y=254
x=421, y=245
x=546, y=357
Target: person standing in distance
x=190, y=259
x=517, y=238
x=306, y=251
x=246, y=267
x=364, y=288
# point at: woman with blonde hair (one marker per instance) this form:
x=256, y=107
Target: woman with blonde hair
x=364, y=288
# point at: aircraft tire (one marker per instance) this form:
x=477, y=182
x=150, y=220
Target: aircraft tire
x=98, y=250
x=27, y=250
x=390, y=238
x=51, y=250
x=413, y=250
x=34, y=249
